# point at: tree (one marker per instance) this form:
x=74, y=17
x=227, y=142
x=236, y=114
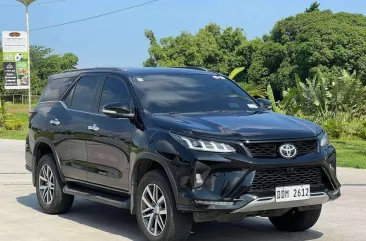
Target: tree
x=44, y=64
x=212, y=48
x=302, y=45
x=313, y=7
x=308, y=43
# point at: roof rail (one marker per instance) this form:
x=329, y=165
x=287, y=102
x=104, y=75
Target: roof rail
x=97, y=68
x=191, y=67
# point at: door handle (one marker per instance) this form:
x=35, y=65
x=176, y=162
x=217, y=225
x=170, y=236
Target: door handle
x=94, y=127
x=104, y=173
x=54, y=122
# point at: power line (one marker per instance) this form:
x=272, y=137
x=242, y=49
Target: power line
x=96, y=16
x=41, y=3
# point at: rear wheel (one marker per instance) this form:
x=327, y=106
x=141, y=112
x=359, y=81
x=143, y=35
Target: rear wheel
x=49, y=188
x=295, y=220
x=157, y=216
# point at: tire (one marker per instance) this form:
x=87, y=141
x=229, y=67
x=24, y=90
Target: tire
x=177, y=225
x=51, y=201
x=296, y=221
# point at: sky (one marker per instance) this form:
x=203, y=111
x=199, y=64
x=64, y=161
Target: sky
x=118, y=39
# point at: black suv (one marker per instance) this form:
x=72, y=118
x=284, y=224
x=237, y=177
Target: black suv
x=176, y=146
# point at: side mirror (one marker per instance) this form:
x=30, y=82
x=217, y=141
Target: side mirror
x=118, y=110
x=265, y=103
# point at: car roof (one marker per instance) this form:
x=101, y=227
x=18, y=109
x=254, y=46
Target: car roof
x=135, y=71
x=155, y=70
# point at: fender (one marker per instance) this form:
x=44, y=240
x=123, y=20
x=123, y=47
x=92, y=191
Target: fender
x=42, y=140
x=133, y=173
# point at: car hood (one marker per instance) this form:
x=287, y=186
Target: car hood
x=238, y=126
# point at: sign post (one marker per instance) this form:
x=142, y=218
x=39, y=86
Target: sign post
x=28, y=51
x=15, y=60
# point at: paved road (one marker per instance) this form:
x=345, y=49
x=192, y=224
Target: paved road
x=21, y=218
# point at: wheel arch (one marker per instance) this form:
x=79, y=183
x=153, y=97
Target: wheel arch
x=143, y=163
x=44, y=146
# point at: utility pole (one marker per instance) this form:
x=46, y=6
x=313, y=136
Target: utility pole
x=26, y=4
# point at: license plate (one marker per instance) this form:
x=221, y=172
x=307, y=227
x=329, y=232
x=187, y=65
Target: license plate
x=292, y=193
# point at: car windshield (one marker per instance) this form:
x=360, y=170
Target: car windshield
x=191, y=93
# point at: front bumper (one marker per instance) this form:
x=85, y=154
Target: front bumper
x=269, y=203
x=251, y=206
x=232, y=183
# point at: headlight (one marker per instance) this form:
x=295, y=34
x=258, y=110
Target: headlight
x=201, y=145
x=324, y=141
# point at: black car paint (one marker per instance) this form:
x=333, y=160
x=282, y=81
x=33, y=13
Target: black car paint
x=109, y=158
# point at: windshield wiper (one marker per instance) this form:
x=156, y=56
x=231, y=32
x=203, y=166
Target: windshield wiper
x=256, y=112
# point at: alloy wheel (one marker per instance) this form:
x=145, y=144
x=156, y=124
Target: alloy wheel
x=153, y=209
x=46, y=184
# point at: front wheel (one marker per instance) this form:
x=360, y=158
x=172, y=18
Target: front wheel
x=157, y=216
x=296, y=221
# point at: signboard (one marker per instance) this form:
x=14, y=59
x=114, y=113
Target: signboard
x=15, y=60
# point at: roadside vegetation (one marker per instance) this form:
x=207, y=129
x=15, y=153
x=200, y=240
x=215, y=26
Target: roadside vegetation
x=311, y=65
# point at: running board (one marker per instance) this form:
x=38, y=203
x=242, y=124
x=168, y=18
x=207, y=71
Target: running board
x=98, y=197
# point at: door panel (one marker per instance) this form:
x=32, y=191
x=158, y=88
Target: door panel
x=108, y=149
x=71, y=125
x=70, y=144
x=108, y=152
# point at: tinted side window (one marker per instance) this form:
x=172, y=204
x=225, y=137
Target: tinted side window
x=69, y=96
x=84, y=94
x=55, y=88
x=114, y=90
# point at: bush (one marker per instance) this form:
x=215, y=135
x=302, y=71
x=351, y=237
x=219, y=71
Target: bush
x=13, y=125
x=362, y=131
x=335, y=128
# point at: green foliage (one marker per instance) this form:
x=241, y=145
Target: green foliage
x=322, y=98
x=338, y=106
x=13, y=125
x=235, y=72
x=319, y=40
x=313, y=7
x=253, y=90
x=335, y=127
x=15, y=122
x=44, y=63
x=212, y=48
x=275, y=108
x=361, y=132
x=249, y=87
x=306, y=44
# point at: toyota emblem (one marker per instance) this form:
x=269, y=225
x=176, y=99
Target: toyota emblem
x=288, y=151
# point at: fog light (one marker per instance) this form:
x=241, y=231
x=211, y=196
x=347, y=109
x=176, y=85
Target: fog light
x=201, y=172
x=214, y=203
x=199, y=180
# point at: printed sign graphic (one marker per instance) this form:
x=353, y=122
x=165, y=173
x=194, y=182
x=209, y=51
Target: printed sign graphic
x=15, y=60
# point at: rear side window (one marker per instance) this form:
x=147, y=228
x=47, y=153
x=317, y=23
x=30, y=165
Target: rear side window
x=83, y=94
x=114, y=90
x=55, y=88
x=69, y=96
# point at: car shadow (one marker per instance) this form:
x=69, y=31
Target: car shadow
x=120, y=222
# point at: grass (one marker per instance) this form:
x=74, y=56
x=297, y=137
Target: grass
x=350, y=153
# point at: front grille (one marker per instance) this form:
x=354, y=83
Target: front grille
x=270, y=149
x=269, y=179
